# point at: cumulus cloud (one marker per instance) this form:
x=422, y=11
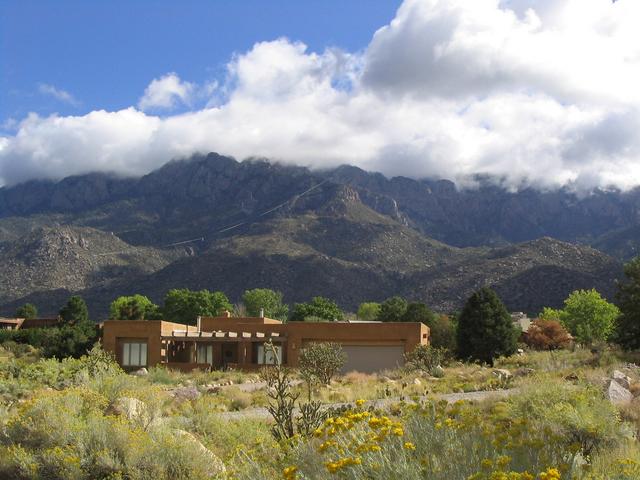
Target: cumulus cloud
x=166, y=92
x=58, y=94
x=537, y=93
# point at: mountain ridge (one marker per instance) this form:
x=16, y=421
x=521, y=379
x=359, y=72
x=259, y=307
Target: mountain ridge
x=212, y=222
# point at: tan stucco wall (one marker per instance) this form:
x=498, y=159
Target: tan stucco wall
x=114, y=331
x=408, y=335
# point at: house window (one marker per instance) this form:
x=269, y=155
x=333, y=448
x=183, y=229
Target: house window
x=134, y=354
x=205, y=354
x=266, y=357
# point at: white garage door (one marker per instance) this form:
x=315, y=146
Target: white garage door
x=372, y=358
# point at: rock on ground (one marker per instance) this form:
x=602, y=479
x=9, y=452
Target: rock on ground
x=130, y=408
x=217, y=466
x=618, y=394
x=622, y=379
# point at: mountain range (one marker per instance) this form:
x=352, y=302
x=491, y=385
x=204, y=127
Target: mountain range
x=213, y=222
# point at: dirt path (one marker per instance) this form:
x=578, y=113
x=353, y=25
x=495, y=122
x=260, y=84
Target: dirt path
x=263, y=413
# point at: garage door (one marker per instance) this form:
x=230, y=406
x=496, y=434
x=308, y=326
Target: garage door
x=372, y=358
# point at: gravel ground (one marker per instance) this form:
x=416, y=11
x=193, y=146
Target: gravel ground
x=263, y=413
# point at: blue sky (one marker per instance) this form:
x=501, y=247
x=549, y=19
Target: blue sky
x=531, y=93
x=104, y=53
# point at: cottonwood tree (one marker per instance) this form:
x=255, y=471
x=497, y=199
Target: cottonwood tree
x=318, y=307
x=417, y=312
x=587, y=316
x=267, y=299
x=185, y=306
x=485, y=330
x=368, y=311
x=28, y=310
x=392, y=309
x=134, y=307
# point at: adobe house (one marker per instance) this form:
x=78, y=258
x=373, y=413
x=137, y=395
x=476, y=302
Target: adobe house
x=23, y=323
x=239, y=342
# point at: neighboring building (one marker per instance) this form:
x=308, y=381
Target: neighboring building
x=23, y=323
x=232, y=342
x=521, y=320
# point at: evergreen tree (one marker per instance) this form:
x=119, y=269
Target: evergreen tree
x=628, y=328
x=75, y=311
x=485, y=330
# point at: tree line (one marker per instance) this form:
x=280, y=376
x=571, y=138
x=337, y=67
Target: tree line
x=483, y=330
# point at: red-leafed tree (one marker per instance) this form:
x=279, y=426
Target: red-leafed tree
x=547, y=335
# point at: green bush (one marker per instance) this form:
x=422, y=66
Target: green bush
x=426, y=358
x=321, y=361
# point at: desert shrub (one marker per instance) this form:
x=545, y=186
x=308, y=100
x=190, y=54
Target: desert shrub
x=20, y=350
x=66, y=435
x=431, y=440
x=321, y=361
x=574, y=416
x=162, y=375
x=222, y=436
x=238, y=400
x=547, y=335
x=426, y=358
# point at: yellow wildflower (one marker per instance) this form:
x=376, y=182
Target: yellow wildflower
x=289, y=473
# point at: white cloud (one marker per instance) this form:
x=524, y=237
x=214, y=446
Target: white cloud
x=539, y=93
x=166, y=92
x=58, y=94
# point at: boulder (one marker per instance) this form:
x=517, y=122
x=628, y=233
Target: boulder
x=217, y=466
x=186, y=393
x=128, y=407
x=618, y=394
x=141, y=372
x=502, y=373
x=622, y=379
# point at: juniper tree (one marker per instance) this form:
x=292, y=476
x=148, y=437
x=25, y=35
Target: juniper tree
x=485, y=330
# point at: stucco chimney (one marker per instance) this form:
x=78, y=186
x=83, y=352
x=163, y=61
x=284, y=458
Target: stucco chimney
x=199, y=322
x=262, y=313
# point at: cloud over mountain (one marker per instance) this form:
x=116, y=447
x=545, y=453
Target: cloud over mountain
x=539, y=93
